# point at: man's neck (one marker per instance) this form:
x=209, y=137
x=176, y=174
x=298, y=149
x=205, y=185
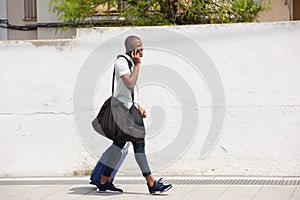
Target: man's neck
x=128, y=54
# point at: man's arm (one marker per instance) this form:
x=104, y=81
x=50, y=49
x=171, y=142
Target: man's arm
x=130, y=79
x=142, y=111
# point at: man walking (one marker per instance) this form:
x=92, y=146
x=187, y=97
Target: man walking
x=126, y=82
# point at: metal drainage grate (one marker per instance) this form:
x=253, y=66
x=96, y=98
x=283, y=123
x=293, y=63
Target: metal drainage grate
x=220, y=181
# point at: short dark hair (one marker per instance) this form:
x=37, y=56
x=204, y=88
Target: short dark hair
x=129, y=42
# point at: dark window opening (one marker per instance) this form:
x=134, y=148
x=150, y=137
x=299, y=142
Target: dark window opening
x=30, y=10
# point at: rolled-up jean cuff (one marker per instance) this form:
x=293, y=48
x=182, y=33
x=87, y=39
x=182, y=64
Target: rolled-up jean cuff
x=146, y=174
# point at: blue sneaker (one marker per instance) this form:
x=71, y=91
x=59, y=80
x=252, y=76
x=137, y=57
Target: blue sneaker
x=159, y=187
x=108, y=187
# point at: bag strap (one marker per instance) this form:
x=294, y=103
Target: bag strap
x=113, y=79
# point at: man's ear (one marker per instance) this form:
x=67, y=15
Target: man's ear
x=130, y=49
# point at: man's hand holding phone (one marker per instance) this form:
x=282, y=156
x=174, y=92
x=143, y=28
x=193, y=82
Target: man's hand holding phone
x=135, y=55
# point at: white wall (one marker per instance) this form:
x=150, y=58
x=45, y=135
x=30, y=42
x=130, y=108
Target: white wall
x=278, y=11
x=221, y=100
x=15, y=16
x=3, y=15
x=44, y=15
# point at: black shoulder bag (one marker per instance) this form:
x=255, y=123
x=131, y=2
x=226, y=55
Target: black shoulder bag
x=118, y=123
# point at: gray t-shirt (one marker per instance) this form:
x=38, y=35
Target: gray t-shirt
x=122, y=93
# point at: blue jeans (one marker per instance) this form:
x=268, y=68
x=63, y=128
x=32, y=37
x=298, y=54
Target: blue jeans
x=139, y=154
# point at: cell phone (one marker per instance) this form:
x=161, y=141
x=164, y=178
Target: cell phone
x=134, y=52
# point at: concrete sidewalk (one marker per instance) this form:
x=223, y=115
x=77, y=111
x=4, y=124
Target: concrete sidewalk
x=206, y=188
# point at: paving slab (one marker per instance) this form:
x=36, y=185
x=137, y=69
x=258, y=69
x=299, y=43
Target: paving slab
x=16, y=191
x=296, y=194
x=277, y=192
x=240, y=192
x=206, y=192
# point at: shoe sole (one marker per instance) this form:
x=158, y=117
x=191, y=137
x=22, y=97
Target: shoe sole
x=109, y=191
x=159, y=192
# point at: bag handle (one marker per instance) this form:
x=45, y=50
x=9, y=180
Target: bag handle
x=113, y=79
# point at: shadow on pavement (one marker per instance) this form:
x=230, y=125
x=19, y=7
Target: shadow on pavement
x=92, y=191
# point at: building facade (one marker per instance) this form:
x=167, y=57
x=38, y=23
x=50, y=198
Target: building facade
x=28, y=20
x=31, y=19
